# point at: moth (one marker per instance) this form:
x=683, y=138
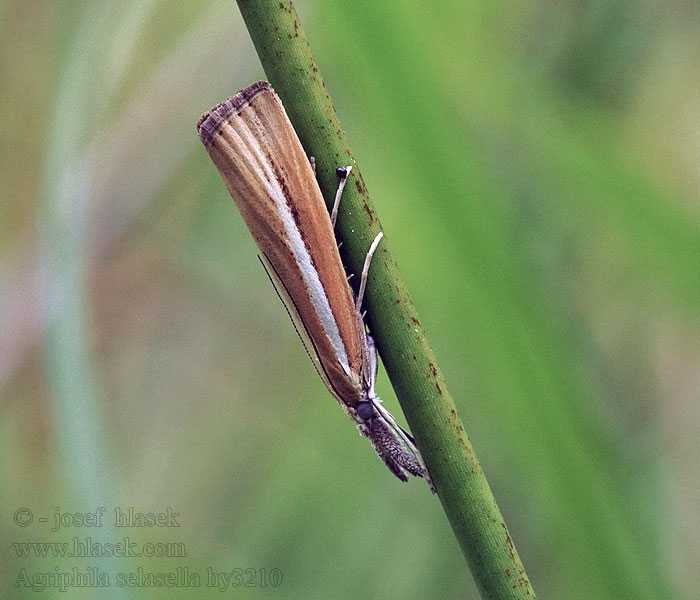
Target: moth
x=272, y=182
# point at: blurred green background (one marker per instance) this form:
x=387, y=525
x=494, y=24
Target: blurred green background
x=535, y=168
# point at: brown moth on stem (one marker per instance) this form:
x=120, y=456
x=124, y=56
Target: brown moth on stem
x=258, y=154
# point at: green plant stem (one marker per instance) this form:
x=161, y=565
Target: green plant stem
x=430, y=411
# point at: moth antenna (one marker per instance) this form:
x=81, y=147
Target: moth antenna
x=307, y=341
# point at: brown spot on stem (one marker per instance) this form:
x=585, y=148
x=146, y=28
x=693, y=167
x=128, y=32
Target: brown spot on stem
x=509, y=541
x=526, y=584
x=370, y=214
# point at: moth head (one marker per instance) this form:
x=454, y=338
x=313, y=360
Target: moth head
x=365, y=410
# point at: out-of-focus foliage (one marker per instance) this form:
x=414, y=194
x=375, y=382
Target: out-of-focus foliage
x=535, y=167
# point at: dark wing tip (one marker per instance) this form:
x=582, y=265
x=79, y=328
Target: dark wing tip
x=211, y=122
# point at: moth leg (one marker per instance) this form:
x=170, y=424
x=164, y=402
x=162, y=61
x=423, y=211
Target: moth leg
x=342, y=173
x=365, y=271
x=371, y=361
x=392, y=444
x=412, y=458
x=391, y=450
x=387, y=417
x=312, y=162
